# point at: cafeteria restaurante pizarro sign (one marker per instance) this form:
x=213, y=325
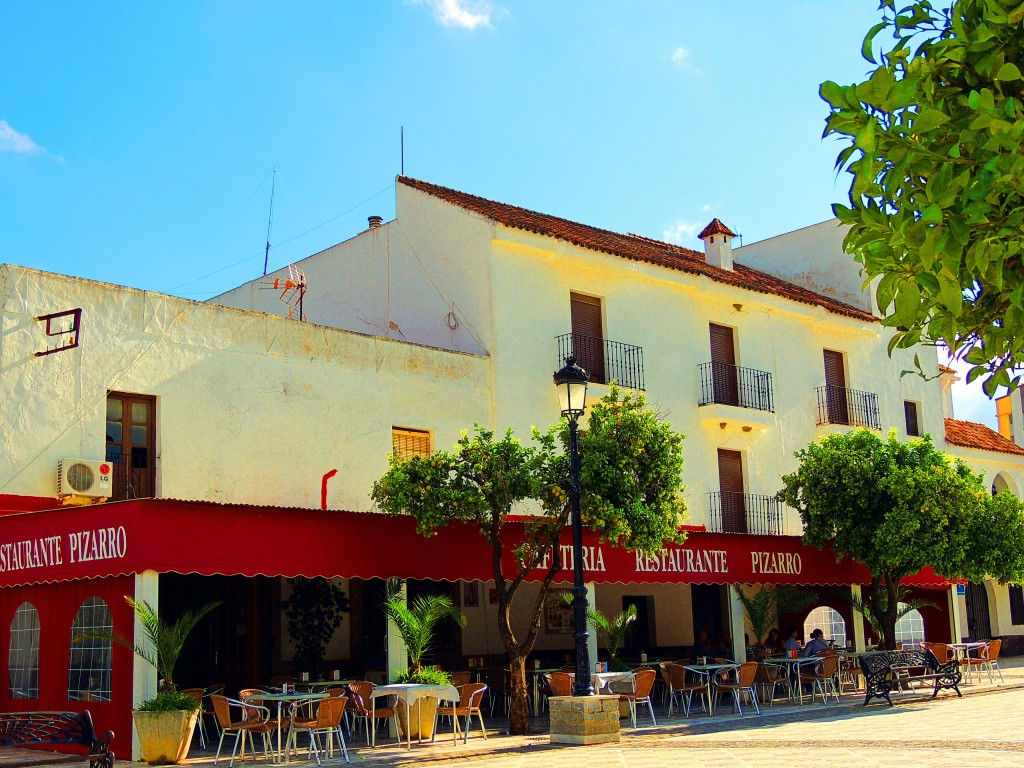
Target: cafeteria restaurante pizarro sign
x=72, y=547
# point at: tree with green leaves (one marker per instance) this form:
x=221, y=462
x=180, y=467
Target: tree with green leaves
x=934, y=143
x=897, y=506
x=631, y=495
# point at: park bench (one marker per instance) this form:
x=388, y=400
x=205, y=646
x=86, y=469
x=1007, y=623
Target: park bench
x=22, y=729
x=885, y=671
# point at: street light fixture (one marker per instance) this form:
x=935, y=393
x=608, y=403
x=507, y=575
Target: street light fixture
x=572, y=396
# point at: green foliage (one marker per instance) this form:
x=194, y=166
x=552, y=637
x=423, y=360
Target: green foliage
x=423, y=676
x=314, y=612
x=933, y=145
x=631, y=468
x=164, y=641
x=876, y=620
x=764, y=607
x=899, y=506
x=417, y=622
x=170, y=701
x=615, y=630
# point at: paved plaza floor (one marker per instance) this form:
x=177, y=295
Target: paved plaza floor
x=984, y=728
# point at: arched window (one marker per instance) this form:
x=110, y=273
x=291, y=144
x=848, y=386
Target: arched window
x=23, y=658
x=829, y=621
x=91, y=657
x=1000, y=484
x=910, y=628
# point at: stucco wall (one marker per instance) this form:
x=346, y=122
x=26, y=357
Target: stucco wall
x=250, y=408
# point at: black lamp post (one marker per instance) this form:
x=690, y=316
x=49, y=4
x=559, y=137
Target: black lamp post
x=572, y=395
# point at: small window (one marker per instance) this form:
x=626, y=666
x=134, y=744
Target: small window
x=406, y=443
x=913, y=424
x=23, y=659
x=1016, y=604
x=91, y=657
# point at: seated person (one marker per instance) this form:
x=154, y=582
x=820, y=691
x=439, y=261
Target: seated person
x=700, y=645
x=723, y=648
x=791, y=644
x=816, y=645
x=773, y=644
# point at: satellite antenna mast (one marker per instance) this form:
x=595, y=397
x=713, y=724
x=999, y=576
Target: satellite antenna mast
x=403, y=149
x=270, y=222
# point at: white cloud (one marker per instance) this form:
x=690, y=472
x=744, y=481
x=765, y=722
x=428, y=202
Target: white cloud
x=680, y=231
x=468, y=14
x=681, y=58
x=705, y=208
x=12, y=141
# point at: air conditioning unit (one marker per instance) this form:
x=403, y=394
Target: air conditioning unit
x=79, y=477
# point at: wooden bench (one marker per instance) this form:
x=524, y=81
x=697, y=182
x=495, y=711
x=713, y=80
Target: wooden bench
x=21, y=729
x=887, y=670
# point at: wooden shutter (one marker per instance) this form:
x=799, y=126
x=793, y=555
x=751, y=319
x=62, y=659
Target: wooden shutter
x=723, y=365
x=588, y=335
x=835, y=388
x=406, y=443
x=910, y=412
x=730, y=481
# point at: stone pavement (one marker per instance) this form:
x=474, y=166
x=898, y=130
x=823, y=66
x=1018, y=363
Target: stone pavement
x=981, y=729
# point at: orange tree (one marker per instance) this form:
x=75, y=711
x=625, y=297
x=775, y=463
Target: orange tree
x=631, y=495
x=897, y=506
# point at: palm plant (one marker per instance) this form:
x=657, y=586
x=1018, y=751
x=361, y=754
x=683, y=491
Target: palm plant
x=615, y=630
x=764, y=607
x=904, y=606
x=164, y=641
x=417, y=623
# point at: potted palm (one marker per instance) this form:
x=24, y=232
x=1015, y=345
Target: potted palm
x=166, y=722
x=417, y=623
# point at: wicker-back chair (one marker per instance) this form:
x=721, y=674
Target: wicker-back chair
x=746, y=674
x=470, y=696
x=365, y=707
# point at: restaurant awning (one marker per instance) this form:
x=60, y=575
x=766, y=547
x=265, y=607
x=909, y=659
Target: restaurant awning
x=170, y=536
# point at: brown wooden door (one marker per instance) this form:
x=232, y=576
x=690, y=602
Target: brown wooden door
x=723, y=365
x=131, y=441
x=588, y=335
x=836, y=401
x=730, y=483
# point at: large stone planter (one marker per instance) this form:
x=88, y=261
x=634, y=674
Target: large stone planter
x=584, y=719
x=165, y=737
x=422, y=715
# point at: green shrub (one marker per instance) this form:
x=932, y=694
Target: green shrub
x=425, y=676
x=169, y=701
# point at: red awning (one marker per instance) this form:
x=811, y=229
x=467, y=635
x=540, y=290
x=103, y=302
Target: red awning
x=199, y=537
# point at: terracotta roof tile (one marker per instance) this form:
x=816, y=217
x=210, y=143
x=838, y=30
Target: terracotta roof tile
x=633, y=247
x=970, y=434
x=716, y=227
x=946, y=369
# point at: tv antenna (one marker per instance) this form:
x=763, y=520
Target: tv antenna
x=292, y=288
x=270, y=222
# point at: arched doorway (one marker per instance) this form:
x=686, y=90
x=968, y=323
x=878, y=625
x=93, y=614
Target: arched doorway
x=978, y=625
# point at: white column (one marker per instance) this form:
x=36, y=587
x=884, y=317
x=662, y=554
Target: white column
x=957, y=610
x=859, y=644
x=591, y=629
x=737, y=625
x=398, y=654
x=144, y=676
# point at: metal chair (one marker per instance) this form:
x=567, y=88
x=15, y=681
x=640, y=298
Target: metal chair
x=470, y=696
x=196, y=694
x=744, y=683
x=823, y=678
x=329, y=715
x=642, y=683
x=252, y=720
x=367, y=709
x=678, y=687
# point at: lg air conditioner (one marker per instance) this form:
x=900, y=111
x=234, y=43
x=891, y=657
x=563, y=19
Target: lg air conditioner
x=79, y=477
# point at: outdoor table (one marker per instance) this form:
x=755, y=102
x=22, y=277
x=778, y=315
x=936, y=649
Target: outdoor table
x=709, y=672
x=535, y=676
x=281, y=698
x=793, y=669
x=410, y=693
x=312, y=685
x=603, y=678
x=962, y=651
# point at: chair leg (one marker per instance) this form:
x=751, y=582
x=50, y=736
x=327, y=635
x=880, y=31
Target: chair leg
x=650, y=707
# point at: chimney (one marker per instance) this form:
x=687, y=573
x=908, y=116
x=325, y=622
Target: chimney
x=717, y=244
x=375, y=221
x=948, y=377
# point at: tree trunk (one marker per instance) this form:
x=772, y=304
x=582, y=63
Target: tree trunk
x=519, y=709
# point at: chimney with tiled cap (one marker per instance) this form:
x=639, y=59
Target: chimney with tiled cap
x=375, y=221
x=717, y=244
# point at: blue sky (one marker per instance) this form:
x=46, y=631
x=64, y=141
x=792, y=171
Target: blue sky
x=137, y=140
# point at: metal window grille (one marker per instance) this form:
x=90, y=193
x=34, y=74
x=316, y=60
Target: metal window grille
x=406, y=443
x=829, y=621
x=23, y=659
x=89, y=670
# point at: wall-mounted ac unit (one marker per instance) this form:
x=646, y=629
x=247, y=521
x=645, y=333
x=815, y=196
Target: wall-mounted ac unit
x=79, y=477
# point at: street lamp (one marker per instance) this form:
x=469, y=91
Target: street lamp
x=572, y=396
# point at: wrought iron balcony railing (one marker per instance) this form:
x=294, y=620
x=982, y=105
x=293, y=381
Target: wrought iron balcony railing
x=604, y=360
x=733, y=512
x=733, y=385
x=134, y=476
x=837, y=405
